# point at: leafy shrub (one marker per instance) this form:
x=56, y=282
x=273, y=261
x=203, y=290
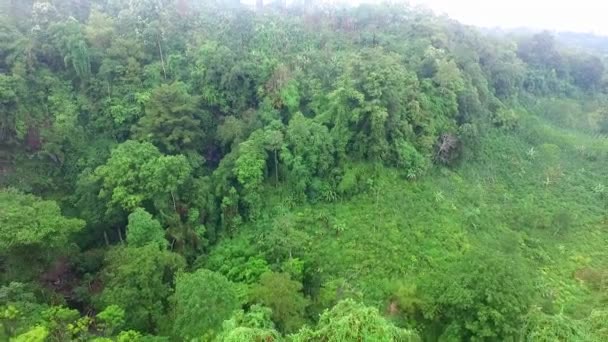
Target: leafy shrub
x=505, y=118
x=410, y=160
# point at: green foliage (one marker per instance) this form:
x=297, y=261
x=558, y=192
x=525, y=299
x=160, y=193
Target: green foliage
x=290, y=96
x=352, y=321
x=237, y=261
x=249, y=170
x=139, y=279
x=285, y=239
x=247, y=272
x=110, y=320
x=203, y=300
x=357, y=178
x=283, y=295
x=540, y=50
x=482, y=296
x=251, y=163
x=143, y=230
x=373, y=106
x=294, y=267
x=413, y=163
x=28, y=221
x=65, y=324
x=20, y=309
x=587, y=71
x=130, y=335
x=308, y=152
x=253, y=325
x=71, y=42
x=505, y=118
x=36, y=334
x=292, y=151
x=11, y=122
x=225, y=81
x=137, y=172
x=172, y=121
x=543, y=327
x=597, y=324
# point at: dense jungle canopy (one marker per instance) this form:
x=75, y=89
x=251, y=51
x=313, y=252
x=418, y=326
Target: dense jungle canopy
x=180, y=170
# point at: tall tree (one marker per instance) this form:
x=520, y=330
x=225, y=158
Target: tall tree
x=30, y=230
x=351, y=321
x=172, y=121
x=140, y=280
x=143, y=229
x=203, y=300
x=283, y=295
x=249, y=170
x=540, y=50
x=253, y=325
x=482, y=296
x=308, y=151
x=137, y=172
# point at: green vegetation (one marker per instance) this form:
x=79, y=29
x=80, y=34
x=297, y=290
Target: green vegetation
x=203, y=300
x=200, y=171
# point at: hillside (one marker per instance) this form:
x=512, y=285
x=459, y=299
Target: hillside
x=189, y=171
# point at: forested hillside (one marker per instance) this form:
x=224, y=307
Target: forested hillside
x=181, y=170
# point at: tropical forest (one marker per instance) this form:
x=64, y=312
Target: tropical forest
x=220, y=171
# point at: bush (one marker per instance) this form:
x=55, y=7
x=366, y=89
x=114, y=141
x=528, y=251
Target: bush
x=410, y=160
x=505, y=118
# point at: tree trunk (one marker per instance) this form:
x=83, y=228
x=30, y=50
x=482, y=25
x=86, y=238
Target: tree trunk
x=173, y=198
x=162, y=58
x=119, y=235
x=276, y=168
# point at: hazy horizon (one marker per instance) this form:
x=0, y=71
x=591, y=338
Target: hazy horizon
x=586, y=16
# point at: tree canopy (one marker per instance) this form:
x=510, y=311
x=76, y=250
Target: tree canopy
x=203, y=300
x=28, y=221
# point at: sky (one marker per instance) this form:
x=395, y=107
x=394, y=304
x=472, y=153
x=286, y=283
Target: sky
x=561, y=15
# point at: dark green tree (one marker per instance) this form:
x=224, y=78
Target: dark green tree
x=32, y=230
x=352, y=321
x=202, y=301
x=253, y=325
x=283, y=295
x=308, y=151
x=137, y=172
x=143, y=229
x=30, y=222
x=483, y=296
x=172, y=120
x=250, y=169
x=140, y=280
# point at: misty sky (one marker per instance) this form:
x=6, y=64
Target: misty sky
x=566, y=15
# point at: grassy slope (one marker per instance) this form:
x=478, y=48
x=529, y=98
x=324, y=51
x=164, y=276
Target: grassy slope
x=537, y=191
